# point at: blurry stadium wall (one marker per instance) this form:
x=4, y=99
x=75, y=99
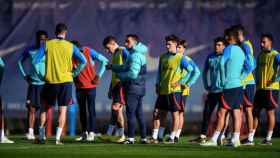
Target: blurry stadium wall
x=89, y=21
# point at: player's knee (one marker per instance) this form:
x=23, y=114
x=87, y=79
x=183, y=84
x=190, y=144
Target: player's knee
x=156, y=115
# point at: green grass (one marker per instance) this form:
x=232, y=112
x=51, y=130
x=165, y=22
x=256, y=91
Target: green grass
x=24, y=148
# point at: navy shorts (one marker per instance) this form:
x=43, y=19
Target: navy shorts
x=33, y=98
x=232, y=98
x=62, y=93
x=118, y=94
x=248, y=97
x=267, y=99
x=170, y=102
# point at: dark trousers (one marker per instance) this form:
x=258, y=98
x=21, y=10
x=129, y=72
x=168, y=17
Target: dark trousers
x=134, y=110
x=86, y=100
x=213, y=99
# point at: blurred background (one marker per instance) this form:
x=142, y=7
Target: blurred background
x=89, y=21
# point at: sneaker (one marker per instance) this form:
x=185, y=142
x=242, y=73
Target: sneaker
x=58, y=142
x=121, y=139
x=209, y=143
x=247, y=142
x=266, y=142
x=144, y=141
x=83, y=137
x=5, y=140
x=160, y=140
x=233, y=144
x=221, y=141
x=30, y=136
x=153, y=141
x=40, y=141
x=128, y=142
x=169, y=141
x=90, y=137
x=198, y=140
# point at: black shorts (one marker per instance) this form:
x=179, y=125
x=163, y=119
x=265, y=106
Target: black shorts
x=213, y=99
x=62, y=93
x=248, y=97
x=267, y=99
x=170, y=102
x=33, y=98
x=183, y=103
x=232, y=98
x=118, y=94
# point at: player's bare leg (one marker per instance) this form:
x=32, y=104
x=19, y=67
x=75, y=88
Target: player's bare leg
x=221, y=115
x=61, y=123
x=31, y=122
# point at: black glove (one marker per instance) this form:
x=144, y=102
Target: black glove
x=109, y=67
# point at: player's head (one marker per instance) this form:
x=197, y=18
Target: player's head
x=226, y=34
x=61, y=30
x=182, y=46
x=241, y=32
x=110, y=44
x=131, y=40
x=232, y=36
x=171, y=42
x=77, y=44
x=41, y=37
x=266, y=41
x=219, y=44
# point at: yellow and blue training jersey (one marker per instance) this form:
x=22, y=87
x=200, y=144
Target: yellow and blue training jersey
x=267, y=70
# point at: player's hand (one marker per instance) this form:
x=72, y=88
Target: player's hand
x=183, y=86
x=269, y=83
x=28, y=79
x=96, y=80
x=109, y=67
x=174, y=85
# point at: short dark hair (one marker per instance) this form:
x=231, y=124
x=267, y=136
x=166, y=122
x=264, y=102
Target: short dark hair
x=108, y=39
x=226, y=31
x=239, y=27
x=77, y=43
x=172, y=38
x=40, y=33
x=220, y=39
x=61, y=27
x=183, y=43
x=233, y=33
x=134, y=36
x=267, y=35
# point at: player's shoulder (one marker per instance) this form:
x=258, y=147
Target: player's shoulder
x=274, y=51
x=187, y=58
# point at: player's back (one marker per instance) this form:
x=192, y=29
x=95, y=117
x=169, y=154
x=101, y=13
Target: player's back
x=59, y=61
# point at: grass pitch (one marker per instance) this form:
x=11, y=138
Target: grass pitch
x=24, y=148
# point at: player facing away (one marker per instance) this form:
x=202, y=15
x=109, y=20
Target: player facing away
x=3, y=138
x=35, y=82
x=212, y=85
x=233, y=70
x=116, y=89
x=132, y=75
x=168, y=87
x=193, y=76
x=267, y=93
x=86, y=83
x=248, y=83
x=59, y=75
